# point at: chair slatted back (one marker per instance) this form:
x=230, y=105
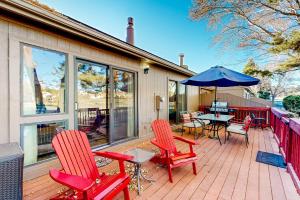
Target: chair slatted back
x=74, y=153
x=164, y=135
x=185, y=118
x=194, y=114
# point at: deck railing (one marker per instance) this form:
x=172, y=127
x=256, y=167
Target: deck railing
x=241, y=112
x=287, y=135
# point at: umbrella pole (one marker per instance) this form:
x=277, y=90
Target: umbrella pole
x=215, y=100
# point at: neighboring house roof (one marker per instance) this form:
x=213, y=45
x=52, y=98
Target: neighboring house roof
x=62, y=22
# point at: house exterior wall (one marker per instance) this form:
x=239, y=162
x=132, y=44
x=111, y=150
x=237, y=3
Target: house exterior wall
x=13, y=34
x=4, y=99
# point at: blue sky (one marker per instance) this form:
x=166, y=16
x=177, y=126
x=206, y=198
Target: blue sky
x=162, y=27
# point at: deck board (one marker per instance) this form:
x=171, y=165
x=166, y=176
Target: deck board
x=252, y=191
x=225, y=172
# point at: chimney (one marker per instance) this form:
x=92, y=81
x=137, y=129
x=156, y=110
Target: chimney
x=181, y=59
x=130, y=32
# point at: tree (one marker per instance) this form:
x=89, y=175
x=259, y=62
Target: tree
x=272, y=82
x=91, y=80
x=292, y=103
x=275, y=84
x=268, y=26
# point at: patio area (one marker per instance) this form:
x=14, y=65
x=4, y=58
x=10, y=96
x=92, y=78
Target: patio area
x=228, y=171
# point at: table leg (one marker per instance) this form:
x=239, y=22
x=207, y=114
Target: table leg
x=138, y=174
x=138, y=167
x=218, y=135
x=216, y=132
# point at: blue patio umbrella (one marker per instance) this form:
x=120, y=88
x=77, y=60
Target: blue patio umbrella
x=219, y=76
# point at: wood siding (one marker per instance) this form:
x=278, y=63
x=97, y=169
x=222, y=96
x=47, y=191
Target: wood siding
x=4, y=100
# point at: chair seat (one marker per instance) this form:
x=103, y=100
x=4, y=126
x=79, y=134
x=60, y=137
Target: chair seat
x=236, y=128
x=195, y=124
x=109, y=183
x=183, y=158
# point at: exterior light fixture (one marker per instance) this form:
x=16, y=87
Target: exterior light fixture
x=146, y=68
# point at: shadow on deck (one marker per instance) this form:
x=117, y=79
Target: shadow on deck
x=224, y=172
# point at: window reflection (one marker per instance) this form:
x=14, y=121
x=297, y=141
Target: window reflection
x=37, y=140
x=43, y=81
x=123, y=97
x=182, y=104
x=172, y=90
x=92, y=98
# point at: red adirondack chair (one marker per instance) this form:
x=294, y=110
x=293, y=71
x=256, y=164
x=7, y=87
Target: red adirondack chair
x=80, y=172
x=164, y=139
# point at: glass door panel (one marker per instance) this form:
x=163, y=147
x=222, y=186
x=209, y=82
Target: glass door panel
x=123, y=111
x=182, y=101
x=172, y=90
x=93, y=101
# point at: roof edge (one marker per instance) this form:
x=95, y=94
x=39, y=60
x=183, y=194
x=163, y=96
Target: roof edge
x=77, y=28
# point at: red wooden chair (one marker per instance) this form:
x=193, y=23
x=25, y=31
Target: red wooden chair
x=164, y=139
x=80, y=172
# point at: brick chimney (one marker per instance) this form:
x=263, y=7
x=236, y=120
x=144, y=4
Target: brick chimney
x=130, y=31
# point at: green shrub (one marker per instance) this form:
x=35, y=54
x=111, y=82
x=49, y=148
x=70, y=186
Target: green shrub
x=292, y=103
x=264, y=94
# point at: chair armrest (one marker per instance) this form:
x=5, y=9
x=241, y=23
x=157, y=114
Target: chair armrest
x=198, y=120
x=185, y=140
x=153, y=141
x=114, y=155
x=72, y=181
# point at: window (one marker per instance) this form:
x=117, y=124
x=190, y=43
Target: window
x=43, y=92
x=36, y=140
x=43, y=74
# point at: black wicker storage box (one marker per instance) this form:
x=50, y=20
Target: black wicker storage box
x=11, y=172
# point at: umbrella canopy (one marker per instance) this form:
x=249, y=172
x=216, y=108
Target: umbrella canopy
x=220, y=77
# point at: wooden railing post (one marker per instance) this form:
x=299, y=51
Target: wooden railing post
x=294, y=152
x=289, y=145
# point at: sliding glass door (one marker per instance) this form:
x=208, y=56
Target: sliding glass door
x=92, y=106
x=123, y=112
x=177, y=100
x=172, y=91
x=182, y=98
x=105, y=103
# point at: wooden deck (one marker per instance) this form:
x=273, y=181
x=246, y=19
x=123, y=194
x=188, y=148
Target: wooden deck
x=224, y=172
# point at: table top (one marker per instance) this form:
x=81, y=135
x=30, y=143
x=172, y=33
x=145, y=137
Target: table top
x=140, y=155
x=212, y=117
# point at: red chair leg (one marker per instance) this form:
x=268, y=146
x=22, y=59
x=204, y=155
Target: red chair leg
x=126, y=193
x=170, y=174
x=194, y=168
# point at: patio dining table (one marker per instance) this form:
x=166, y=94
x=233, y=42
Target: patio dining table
x=217, y=122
